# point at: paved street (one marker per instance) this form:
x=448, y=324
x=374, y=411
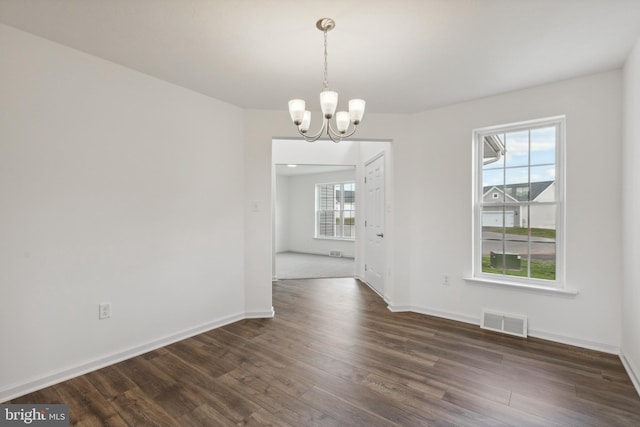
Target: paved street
x=542, y=249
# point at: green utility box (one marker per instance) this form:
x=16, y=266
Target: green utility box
x=510, y=261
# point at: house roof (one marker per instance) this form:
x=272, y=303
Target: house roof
x=522, y=196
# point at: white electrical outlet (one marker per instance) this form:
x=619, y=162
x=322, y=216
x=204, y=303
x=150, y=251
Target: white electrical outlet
x=445, y=280
x=104, y=311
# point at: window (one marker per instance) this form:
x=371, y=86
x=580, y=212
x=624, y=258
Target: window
x=518, y=202
x=335, y=210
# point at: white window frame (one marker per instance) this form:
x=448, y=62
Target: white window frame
x=515, y=281
x=317, y=234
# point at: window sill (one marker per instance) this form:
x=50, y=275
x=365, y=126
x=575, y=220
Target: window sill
x=342, y=239
x=521, y=286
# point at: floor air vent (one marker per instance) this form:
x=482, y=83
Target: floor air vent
x=511, y=324
x=335, y=253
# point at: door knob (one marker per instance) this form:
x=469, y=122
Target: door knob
x=380, y=235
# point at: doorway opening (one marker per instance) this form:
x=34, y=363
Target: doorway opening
x=315, y=216
x=336, y=230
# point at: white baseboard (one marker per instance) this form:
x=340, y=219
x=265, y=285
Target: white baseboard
x=578, y=342
x=399, y=308
x=260, y=314
x=633, y=373
x=31, y=385
x=373, y=289
x=447, y=315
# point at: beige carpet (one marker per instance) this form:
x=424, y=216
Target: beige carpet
x=293, y=265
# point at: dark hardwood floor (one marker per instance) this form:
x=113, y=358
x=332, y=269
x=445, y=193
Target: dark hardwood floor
x=334, y=355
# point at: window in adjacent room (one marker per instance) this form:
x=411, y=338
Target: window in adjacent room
x=519, y=202
x=335, y=210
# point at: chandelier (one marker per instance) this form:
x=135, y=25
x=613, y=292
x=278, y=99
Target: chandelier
x=328, y=104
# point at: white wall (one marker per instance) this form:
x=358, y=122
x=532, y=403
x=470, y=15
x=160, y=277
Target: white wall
x=111, y=189
x=321, y=152
x=631, y=214
x=300, y=228
x=282, y=213
x=441, y=207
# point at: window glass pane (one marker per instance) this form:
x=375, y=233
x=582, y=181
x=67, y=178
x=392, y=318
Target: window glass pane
x=521, y=222
x=491, y=262
x=543, y=183
x=543, y=223
x=494, y=219
x=517, y=184
x=515, y=257
x=493, y=195
x=543, y=260
x=505, y=261
x=349, y=224
x=543, y=146
x=492, y=177
x=492, y=185
x=493, y=152
x=504, y=258
x=517, y=148
x=327, y=225
x=494, y=262
x=349, y=193
x=515, y=233
x=325, y=197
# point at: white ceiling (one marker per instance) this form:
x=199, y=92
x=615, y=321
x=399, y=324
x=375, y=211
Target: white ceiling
x=401, y=56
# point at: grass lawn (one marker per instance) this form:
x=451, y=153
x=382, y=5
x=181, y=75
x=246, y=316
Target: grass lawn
x=347, y=221
x=539, y=269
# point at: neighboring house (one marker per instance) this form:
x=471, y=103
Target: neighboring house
x=540, y=216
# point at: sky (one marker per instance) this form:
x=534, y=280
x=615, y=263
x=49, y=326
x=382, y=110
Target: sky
x=528, y=151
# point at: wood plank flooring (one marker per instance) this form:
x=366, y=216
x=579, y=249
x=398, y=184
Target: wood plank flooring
x=335, y=356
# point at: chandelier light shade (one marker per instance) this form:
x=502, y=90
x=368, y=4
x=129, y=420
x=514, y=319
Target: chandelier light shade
x=344, y=120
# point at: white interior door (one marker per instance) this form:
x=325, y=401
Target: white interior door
x=374, y=224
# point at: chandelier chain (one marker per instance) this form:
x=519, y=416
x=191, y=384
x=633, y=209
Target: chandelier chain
x=326, y=82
